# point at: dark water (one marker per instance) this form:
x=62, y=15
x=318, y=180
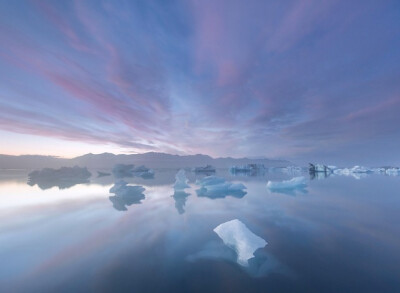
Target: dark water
x=339, y=234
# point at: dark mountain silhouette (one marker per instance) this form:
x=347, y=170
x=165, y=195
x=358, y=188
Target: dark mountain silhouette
x=151, y=160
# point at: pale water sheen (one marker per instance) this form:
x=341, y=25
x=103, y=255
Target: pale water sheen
x=337, y=234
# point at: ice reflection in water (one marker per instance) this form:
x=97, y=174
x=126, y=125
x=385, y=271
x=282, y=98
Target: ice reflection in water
x=72, y=238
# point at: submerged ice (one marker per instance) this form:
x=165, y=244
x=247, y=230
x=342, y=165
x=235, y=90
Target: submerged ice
x=237, y=236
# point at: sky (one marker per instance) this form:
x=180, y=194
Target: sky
x=310, y=80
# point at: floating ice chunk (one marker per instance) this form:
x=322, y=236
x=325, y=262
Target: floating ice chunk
x=121, y=170
x=206, y=169
x=181, y=180
x=121, y=188
x=297, y=182
x=356, y=172
x=292, y=170
x=392, y=171
x=217, y=187
x=64, y=177
x=210, y=180
x=316, y=168
x=237, y=236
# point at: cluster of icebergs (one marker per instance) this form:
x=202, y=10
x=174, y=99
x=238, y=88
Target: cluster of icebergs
x=249, y=168
x=356, y=171
x=218, y=187
x=64, y=177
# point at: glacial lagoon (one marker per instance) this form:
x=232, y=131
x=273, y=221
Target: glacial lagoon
x=335, y=234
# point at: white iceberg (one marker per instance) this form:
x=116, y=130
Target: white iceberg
x=357, y=171
x=392, y=171
x=237, y=236
x=296, y=182
x=181, y=180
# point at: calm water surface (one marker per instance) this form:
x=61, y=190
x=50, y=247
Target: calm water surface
x=339, y=234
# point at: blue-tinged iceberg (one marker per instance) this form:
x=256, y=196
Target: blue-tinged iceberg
x=206, y=169
x=217, y=187
x=181, y=180
x=237, y=236
x=122, y=170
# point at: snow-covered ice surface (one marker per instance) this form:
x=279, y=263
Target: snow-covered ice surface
x=237, y=236
x=181, y=180
x=296, y=182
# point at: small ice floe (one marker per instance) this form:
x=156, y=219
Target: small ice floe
x=64, y=177
x=357, y=172
x=292, y=170
x=297, y=182
x=217, y=187
x=237, y=236
x=126, y=195
x=144, y=172
x=206, y=169
x=180, y=180
x=122, y=170
x=392, y=171
x=249, y=168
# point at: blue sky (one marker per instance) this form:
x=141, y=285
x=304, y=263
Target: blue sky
x=303, y=80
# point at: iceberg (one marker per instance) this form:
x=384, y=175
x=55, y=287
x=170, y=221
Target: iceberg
x=181, y=180
x=217, y=187
x=315, y=168
x=237, y=236
x=125, y=195
x=121, y=170
x=296, y=182
x=357, y=172
x=206, y=169
x=392, y=171
x=249, y=168
x=292, y=170
x=144, y=172
x=64, y=177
